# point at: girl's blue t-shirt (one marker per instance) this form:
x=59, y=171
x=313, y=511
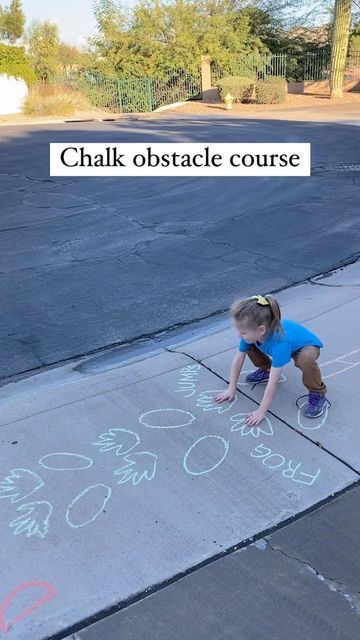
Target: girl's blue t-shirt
x=280, y=347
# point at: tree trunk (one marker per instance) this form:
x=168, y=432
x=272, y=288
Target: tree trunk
x=339, y=46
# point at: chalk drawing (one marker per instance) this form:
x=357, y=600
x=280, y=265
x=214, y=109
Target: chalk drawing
x=97, y=493
x=65, y=461
x=313, y=423
x=260, y=451
x=207, y=447
x=291, y=470
x=34, y=520
x=206, y=401
x=11, y=601
x=242, y=382
x=138, y=466
x=19, y=484
x=245, y=430
x=351, y=360
x=121, y=441
x=266, y=454
x=166, y=418
x=188, y=379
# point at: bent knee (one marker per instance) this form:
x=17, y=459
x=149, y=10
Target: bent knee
x=306, y=357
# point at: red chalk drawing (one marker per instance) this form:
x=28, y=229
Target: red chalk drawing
x=49, y=594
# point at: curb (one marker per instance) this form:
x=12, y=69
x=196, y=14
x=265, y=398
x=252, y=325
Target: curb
x=169, y=106
x=38, y=123
x=116, y=118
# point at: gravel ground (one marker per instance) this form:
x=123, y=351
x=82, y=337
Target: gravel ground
x=292, y=101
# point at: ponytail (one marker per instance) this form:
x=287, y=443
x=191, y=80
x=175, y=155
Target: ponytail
x=259, y=310
x=275, y=324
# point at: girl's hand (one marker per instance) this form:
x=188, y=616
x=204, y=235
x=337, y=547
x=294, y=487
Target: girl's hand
x=255, y=417
x=229, y=395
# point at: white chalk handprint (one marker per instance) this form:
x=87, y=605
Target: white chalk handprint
x=139, y=466
x=121, y=441
x=206, y=401
x=19, y=484
x=34, y=520
x=239, y=424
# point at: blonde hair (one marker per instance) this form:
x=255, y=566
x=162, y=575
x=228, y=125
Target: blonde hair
x=257, y=311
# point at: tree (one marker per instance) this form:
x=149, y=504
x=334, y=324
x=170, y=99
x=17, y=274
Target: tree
x=164, y=35
x=339, y=46
x=111, y=47
x=44, y=43
x=12, y=21
x=354, y=44
x=69, y=56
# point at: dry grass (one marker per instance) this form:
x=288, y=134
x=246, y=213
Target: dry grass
x=54, y=100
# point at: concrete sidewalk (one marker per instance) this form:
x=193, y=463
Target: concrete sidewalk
x=119, y=482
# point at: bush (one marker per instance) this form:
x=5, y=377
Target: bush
x=272, y=90
x=239, y=87
x=54, y=100
x=14, y=62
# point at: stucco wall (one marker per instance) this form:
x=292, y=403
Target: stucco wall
x=12, y=94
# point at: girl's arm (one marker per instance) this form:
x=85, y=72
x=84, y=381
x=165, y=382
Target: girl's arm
x=256, y=416
x=236, y=367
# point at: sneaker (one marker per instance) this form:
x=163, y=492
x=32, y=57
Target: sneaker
x=316, y=405
x=257, y=376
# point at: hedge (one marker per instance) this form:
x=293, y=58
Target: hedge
x=14, y=62
x=239, y=87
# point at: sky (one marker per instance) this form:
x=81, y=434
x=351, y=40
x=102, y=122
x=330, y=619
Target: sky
x=74, y=18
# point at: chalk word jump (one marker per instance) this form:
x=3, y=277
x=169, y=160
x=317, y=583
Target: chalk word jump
x=239, y=424
x=276, y=461
x=189, y=376
x=206, y=402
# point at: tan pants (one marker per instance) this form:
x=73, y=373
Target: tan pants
x=305, y=359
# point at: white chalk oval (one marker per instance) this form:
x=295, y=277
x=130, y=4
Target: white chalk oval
x=312, y=423
x=166, y=418
x=205, y=455
x=65, y=461
x=87, y=505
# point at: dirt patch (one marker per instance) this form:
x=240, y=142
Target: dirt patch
x=293, y=101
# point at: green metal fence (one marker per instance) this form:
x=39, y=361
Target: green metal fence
x=136, y=95
x=250, y=66
x=305, y=67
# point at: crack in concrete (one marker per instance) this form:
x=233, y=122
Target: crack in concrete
x=330, y=583
x=88, y=201
x=227, y=245
x=185, y=233
x=40, y=180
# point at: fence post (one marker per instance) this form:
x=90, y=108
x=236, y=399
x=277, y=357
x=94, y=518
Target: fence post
x=119, y=95
x=205, y=73
x=149, y=94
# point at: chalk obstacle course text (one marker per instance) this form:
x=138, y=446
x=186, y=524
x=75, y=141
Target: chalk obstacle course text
x=180, y=159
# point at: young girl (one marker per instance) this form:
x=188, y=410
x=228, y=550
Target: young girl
x=270, y=344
